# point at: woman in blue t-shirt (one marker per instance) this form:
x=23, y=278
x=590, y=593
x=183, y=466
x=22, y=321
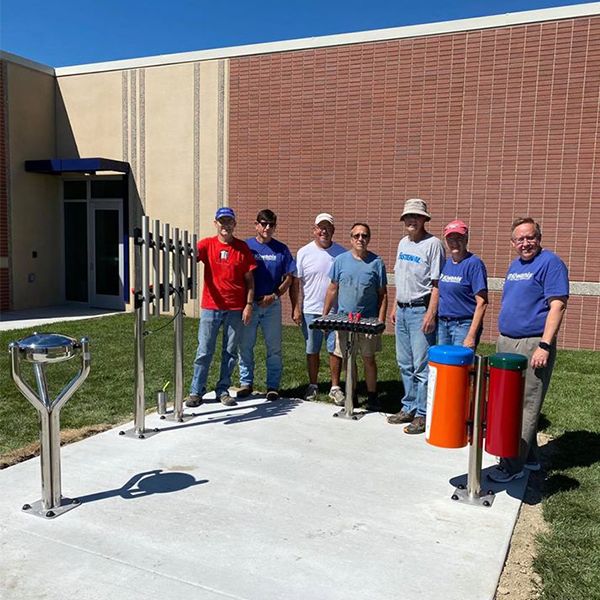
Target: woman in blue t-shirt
x=463, y=291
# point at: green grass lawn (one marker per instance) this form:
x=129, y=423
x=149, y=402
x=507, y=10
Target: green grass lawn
x=568, y=555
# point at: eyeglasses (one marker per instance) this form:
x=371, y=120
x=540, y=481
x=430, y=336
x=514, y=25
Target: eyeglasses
x=357, y=236
x=525, y=238
x=265, y=224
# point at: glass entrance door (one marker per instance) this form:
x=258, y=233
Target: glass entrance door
x=106, y=254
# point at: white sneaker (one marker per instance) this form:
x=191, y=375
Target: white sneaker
x=311, y=392
x=338, y=397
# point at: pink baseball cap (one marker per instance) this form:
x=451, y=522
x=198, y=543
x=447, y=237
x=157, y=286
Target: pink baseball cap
x=457, y=226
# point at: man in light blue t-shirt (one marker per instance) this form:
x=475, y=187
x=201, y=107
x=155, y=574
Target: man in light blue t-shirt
x=534, y=300
x=272, y=278
x=359, y=285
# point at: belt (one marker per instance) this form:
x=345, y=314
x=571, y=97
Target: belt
x=455, y=318
x=419, y=302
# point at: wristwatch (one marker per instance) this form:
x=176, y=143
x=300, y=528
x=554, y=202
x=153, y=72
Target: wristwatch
x=545, y=346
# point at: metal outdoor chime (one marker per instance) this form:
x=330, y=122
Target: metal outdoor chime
x=41, y=349
x=165, y=266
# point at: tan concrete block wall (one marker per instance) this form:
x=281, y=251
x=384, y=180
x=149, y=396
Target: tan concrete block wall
x=33, y=199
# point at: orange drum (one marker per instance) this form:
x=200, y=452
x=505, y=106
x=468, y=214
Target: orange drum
x=448, y=396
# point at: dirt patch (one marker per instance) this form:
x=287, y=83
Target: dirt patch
x=519, y=581
x=66, y=437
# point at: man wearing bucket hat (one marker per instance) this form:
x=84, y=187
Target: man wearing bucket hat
x=462, y=289
x=534, y=299
x=307, y=295
x=418, y=266
x=227, y=299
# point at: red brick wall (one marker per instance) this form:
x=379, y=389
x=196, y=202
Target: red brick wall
x=4, y=277
x=485, y=125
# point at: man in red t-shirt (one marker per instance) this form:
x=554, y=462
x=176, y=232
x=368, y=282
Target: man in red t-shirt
x=227, y=300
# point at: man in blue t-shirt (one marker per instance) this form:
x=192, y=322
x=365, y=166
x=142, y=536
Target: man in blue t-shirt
x=534, y=300
x=359, y=285
x=272, y=278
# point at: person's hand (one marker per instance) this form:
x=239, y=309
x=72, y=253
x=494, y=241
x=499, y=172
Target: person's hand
x=539, y=359
x=428, y=325
x=267, y=300
x=297, y=316
x=247, y=314
x=469, y=342
x=393, y=318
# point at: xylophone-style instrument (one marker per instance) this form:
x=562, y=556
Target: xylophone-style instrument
x=349, y=322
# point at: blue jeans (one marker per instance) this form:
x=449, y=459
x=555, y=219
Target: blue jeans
x=269, y=320
x=208, y=330
x=412, y=347
x=314, y=337
x=452, y=332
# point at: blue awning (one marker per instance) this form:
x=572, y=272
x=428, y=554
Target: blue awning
x=56, y=166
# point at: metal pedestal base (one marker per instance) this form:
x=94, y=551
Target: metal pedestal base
x=170, y=416
x=482, y=499
x=132, y=433
x=351, y=415
x=36, y=509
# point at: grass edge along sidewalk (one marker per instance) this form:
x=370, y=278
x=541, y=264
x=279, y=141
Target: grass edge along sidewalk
x=568, y=553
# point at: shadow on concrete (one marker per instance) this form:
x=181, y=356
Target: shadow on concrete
x=146, y=484
x=570, y=450
x=224, y=416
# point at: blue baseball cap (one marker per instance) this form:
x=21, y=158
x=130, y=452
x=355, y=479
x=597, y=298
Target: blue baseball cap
x=224, y=211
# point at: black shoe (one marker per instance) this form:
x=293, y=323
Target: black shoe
x=272, y=395
x=373, y=403
x=244, y=391
x=193, y=400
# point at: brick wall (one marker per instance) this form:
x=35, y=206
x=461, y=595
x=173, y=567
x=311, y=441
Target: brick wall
x=484, y=125
x=4, y=274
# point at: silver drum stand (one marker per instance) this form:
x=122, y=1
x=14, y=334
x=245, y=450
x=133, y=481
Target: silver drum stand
x=40, y=349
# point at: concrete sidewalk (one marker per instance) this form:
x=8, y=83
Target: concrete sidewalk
x=260, y=501
x=36, y=317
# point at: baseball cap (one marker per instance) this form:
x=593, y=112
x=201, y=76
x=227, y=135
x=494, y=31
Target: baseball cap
x=323, y=217
x=415, y=206
x=224, y=211
x=457, y=226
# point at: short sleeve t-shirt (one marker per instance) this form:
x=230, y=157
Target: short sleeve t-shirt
x=313, y=264
x=459, y=283
x=528, y=287
x=224, y=268
x=273, y=262
x=418, y=264
x=359, y=282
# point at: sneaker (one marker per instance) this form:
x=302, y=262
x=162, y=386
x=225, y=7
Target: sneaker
x=311, y=392
x=226, y=399
x=338, y=397
x=533, y=466
x=272, y=394
x=193, y=400
x=401, y=417
x=417, y=425
x=244, y=391
x=501, y=475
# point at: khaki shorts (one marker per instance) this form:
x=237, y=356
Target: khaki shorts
x=367, y=346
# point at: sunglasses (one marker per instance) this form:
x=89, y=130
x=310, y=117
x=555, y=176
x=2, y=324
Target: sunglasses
x=265, y=224
x=357, y=236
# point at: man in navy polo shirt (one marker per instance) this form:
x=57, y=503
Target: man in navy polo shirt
x=534, y=300
x=272, y=278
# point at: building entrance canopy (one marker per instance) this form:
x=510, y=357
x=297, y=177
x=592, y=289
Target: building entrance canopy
x=57, y=166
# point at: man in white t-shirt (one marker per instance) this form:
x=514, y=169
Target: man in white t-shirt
x=307, y=295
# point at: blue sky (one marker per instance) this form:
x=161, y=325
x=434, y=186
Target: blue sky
x=67, y=32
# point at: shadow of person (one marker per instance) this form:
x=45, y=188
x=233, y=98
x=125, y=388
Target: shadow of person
x=147, y=483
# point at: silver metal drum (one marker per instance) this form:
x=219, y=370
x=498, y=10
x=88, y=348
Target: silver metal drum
x=41, y=349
